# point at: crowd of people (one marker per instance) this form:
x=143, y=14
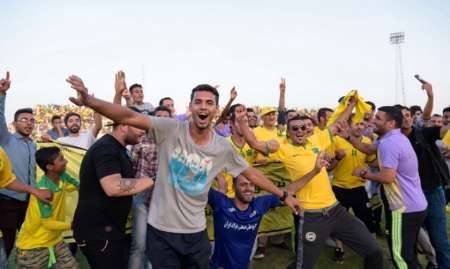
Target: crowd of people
x=164, y=169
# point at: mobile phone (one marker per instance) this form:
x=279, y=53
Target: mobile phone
x=419, y=79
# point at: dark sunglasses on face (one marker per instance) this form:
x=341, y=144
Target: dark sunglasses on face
x=298, y=127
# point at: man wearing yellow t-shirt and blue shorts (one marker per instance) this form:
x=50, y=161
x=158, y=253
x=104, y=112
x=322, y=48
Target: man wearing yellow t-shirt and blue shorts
x=323, y=215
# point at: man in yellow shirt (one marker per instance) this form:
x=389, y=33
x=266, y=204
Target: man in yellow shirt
x=8, y=181
x=350, y=189
x=323, y=215
x=40, y=243
x=267, y=132
x=247, y=149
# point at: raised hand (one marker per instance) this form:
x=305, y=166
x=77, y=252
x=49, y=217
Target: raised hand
x=5, y=83
x=233, y=93
x=282, y=85
x=428, y=88
x=82, y=92
x=120, y=84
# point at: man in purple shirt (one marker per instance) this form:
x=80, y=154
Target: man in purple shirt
x=399, y=174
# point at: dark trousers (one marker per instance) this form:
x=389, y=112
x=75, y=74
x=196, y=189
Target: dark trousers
x=315, y=227
x=436, y=225
x=174, y=250
x=403, y=229
x=106, y=254
x=357, y=200
x=12, y=215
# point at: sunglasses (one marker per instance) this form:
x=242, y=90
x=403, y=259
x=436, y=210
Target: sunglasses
x=298, y=127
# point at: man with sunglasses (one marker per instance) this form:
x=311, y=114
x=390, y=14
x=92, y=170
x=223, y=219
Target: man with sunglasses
x=20, y=149
x=323, y=215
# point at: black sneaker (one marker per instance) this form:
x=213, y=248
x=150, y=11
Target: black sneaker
x=339, y=255
x=260, y=253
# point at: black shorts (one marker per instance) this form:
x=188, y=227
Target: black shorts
x=175, y=250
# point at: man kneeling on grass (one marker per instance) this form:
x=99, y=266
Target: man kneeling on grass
x=40, y=244
x=236, y=220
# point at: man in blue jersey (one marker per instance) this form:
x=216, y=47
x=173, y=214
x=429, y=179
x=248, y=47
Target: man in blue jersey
x=236, y=220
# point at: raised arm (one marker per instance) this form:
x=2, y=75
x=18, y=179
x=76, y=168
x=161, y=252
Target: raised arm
x=114, y=112
x=114, y=185
x=264, y=147
x=281, y=103
x=428, y=109
x=97, y=124
x=120, y=87
x=224, y=114
x=5, y=84
x=261, y=181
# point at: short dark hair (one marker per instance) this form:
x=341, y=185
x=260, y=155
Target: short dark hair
x=162, y=108
x=372, y=105
x=55, y=117
x=21, y=111
x=323, y=112
x=393, y=113
x=291, y=110
x=161, y=102
x=134, y=86
x=402, y=107
x=232, y=112
x=447, y=109
x=414, y=109
x=70, y=114
x=205, y=88
x=298, y=117
x=46, y=156
x=249, y=109
x=436, y=115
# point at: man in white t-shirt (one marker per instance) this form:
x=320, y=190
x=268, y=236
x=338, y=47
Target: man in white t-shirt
x=76, y=137
x=190, y=155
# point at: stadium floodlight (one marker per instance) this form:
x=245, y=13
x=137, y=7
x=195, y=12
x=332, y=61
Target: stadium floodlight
x=397, y=39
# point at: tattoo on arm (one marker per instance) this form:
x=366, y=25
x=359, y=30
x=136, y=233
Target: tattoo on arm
x=127, y=184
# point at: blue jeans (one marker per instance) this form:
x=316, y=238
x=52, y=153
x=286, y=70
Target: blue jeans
x=3, y=258
x=138, y=258
x=436, y=225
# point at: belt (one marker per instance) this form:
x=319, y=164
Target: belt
x=323, y=211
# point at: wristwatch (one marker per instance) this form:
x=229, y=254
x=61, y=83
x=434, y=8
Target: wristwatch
x=285, y=195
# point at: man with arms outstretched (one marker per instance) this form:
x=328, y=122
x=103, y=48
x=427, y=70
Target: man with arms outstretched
x=190, y=157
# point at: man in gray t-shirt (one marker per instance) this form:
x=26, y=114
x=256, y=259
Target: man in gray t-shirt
x=190, y=156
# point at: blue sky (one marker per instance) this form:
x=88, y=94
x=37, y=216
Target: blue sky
x=323, y=48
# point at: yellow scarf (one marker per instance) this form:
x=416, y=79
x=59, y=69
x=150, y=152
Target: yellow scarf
x=361, y=108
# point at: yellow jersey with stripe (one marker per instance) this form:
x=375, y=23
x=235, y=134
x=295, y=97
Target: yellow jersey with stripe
x=264, y=134
x=44, y=223
x=343, y=172
x=249, y=156
x=6, y=173
x=301, y=159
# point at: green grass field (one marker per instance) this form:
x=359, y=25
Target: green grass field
x=278, y=258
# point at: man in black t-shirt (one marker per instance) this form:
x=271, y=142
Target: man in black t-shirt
x=107, y=184
x=431, y=177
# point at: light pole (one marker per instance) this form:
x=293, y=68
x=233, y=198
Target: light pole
x=397, y=39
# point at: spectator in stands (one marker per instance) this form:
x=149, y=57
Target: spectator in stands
x=437, y=120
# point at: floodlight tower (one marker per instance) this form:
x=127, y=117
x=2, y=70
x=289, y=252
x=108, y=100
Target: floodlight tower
x=397, y=39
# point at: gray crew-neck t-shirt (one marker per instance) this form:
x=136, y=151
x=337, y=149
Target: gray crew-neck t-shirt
x=185, y=174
